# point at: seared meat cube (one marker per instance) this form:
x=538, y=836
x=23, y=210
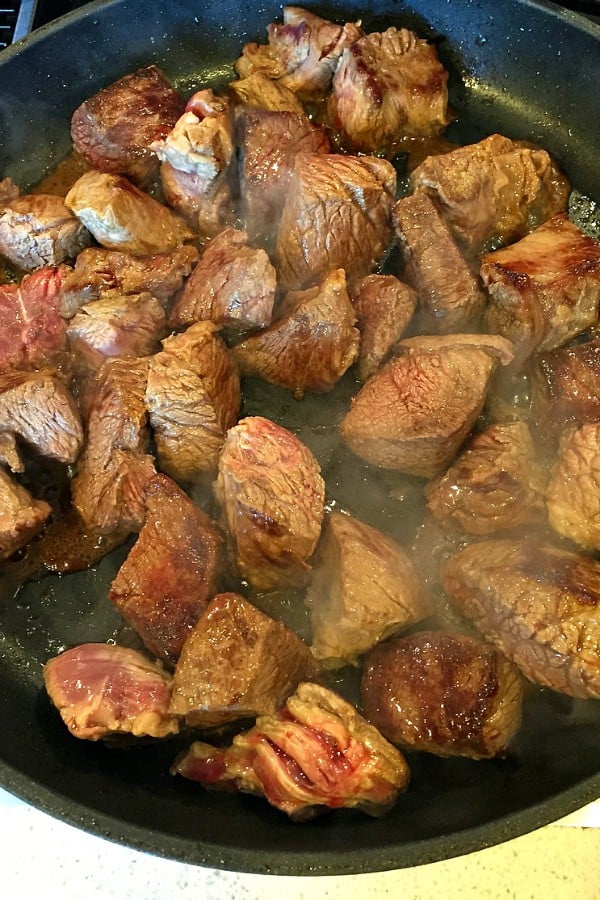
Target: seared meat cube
x=232, y=285
x=272, y=497
x=565, y=387
x=193, y=397
x=117, y=325
x=493, y=192
x=337, y=214
x=538, y=604
x=114, y=129
x=103, y=689
x=170, y=574
x=207, y=210
x=121, y=217
x=260, y=92
x=269, y=143
x=444, y=693
x=33, y=329
x=416, y=411
x=21, y=515
x=109, y=488
x=98, y=271
x=450, y=296
x=388, y=86
x=310, y=345
x=39, y=409
x=364, y=587
x=384, y=306
x=317, y=752
x=573, y=495
x=496, y=483
x=38, y=230
x=545, y=288
x=302, y=53
x=237, y=663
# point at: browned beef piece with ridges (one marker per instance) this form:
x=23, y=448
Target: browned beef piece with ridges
x=565, y=388
x=258, y=91
x=21, y=515
x=384, y=306
x=38, y=230
x=33, y=330
x=573, y=496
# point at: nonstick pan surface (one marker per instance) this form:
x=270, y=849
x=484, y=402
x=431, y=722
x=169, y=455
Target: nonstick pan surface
x=524, y=69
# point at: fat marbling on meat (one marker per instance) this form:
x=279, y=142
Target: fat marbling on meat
x=384, y=306
x=21, y=515
x=38, y=230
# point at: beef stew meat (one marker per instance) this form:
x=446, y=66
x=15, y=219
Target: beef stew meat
x=258, y=91
x=444, y=693
x=573, y=495
x=171, y=571
x=113, y=130
x=33, y=331
x=384, y=306
x=317, y=753
x=364, y=587
x=38, y=230
x=272, y=496
x=103, y=689
x=536, y=602
x=310, y=345
x=236, y=663
x=193, y=398
x=21, y=516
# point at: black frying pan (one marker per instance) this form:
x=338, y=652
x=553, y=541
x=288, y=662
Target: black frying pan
x=522, y=68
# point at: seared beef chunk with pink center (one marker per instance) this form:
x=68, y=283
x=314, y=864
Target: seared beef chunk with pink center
x=318, y=753
x=384, y=306
x=538, y=604
x=21, y=515
x=109, y=489
x=170, y=574
x=38, y=230
x=416, y=411
x=272, y=497
x=103, y=689
x=496, y=483
x=364, y=587
x=257, y=91
x=450, y=296
x=573, y=496
x=388, y=86
x=337, y=214
x=565, y=387
x=302, y=53
x=114, y=129
x=269, y=143
x=33, y=329
x=448, y=694
x=544, y=289
x=232, y=285
x=121, y=217
x=237, y=663
x=493, y=192
x=311, y=344
x=193, y=398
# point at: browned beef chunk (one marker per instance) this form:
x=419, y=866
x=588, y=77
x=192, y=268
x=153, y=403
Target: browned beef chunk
x=39, y=409
x=269, y=143
x=9, y=191
x=337, y=214
x=416, y=411
x=384, y=306
x=496, y=483
x=9, y=452
x=318, y=753
x=493, y=192
x=444, y=693
x=98, y=271
x=121, y=217
x=310, y=345
x=232, y=285
x=114, y=129
x=565, y=387
x=117, y=325
x=21, y=515
x=538, y=604
x=109, y=488
x=170, y=573
x=237, y=663
x=450, y=295
x=33, y=329
x=103, y=689
x=302, y=53
x=388, y=86
x=38, y=230
x=545, y=288
x=260, y=92
x=272, y=496
x=573, y=496
x=364, y=587
x=208, y=211
x=193, y=397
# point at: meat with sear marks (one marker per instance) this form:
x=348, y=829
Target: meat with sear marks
x=33, y=330
x=258, y=91
x=21, y=515
x=573, y=496
x=384, y=307
x=38, y=230
x=538, y=604
x=113, y=130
